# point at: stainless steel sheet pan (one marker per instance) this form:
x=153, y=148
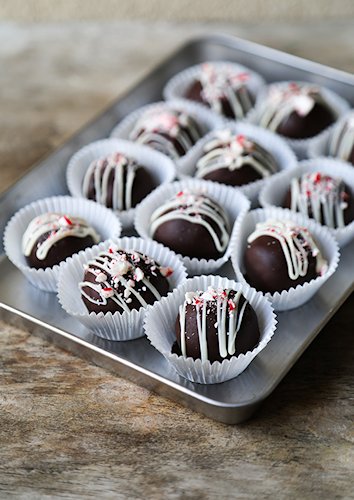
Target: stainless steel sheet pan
x=233, y=401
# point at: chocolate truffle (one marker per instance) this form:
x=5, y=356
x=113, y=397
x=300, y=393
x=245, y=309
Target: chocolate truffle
x=215, y=325
x=223, y=89
x=326, y=199
x=342, y=140
x=296, y=111
x=280, y=255
x=120, y=281
x=169, y=131
x=191, y=224
x=117, y=182
x=51, y=237
x=235, y=160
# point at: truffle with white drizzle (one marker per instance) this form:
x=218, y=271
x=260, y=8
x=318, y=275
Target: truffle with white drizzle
x=224, y=90
x=191, y=224
x=214, y=325
x=119, y=281
x=234, y=159
x=281, y=255
x=169, y=131
x=52, y=237
x=296, y=111
x=341, y=143
x=117, y=182
x=326, y=199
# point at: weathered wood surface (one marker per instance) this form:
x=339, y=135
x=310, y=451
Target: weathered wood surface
x=69, y=429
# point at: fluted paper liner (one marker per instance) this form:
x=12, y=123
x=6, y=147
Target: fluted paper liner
x=274, y=144
x=206, y=119
x=161, y=168
x=300, y=146
x=160, y=329
x=320, y=145
x=104, y=221
x=116, y=326
x=178, y=85
x=328, y=246
x=273, y=193
x=231, y=200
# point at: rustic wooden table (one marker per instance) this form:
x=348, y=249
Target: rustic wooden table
x=70, y=429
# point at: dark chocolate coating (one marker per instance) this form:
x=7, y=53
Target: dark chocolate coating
x=60, y=251
x=236, y=177
x=188, y=239
x=179, y=147
x=158, y=281
x=247, y=337
x=194, y=93
x=266, y=267
x=143, y=185
x=302, y=127
x=348, y=212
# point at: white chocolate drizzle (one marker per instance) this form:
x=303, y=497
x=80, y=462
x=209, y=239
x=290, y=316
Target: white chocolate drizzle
x=321, y=197
x=227, y=150
x=56, y=227
x=296, y=243
x=229, y=316
x=195, y=208
x=116, y=169
x=225, y=84
x=119, y=275
x=342, y=141
x=281, y=102
x=161, y=128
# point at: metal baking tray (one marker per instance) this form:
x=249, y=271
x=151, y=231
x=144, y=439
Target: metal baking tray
x=39, y=312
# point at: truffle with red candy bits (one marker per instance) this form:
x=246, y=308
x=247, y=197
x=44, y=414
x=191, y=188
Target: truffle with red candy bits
x=117, y=280
x=223, y=89
x=234, y=159
x=324, y=198
x=296, y=110
x=52, y=237
x=170, y=131
x=281, y=255
x=191, y=224
x=117, y=182
x=214, y=325
x=341, y=144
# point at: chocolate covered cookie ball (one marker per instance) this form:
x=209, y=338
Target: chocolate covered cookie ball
x=296, y=111
x=235, y=160
x=222, y=89
x=169, y=131
x=117, y=182
x=326, y=199
x=51, y=238
x=214, y=325
x=342, y=140
x=120, y=281
x=280, y=255
x=191, y=224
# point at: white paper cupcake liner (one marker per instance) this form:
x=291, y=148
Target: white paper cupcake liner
x=274, y=144
x=294, y=297
x=274, y=191
x=117, y=326
x=160, y=329
x=300, y=146
x=104, y=221
x=321, y=145
x=161, y=168
x=206, y=119
x=177, y=86
x=231, y=200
